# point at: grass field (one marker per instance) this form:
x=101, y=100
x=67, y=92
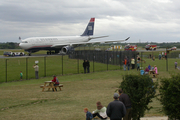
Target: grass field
x=24, y=100
x=48, y=66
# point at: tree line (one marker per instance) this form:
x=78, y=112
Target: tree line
x=9, y=45
x=14, y=45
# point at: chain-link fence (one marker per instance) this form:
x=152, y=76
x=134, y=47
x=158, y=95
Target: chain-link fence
x=62, y=64
x=164, y=60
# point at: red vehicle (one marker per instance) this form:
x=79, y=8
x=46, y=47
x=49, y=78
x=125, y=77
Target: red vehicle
x=151, y=47
x=173, y=48
x=130, y=47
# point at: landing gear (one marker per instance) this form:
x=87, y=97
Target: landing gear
x=49, y=53
x=29, y=54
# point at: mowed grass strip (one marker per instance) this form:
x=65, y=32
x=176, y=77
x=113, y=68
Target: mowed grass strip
x=47, y=67
x=24, y=100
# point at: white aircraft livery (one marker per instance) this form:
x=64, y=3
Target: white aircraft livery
x=62, y=44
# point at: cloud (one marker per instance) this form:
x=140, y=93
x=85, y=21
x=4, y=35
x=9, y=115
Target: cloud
x=149, y=20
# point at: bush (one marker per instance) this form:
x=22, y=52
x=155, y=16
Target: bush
x=141, y=90
x=170, y=96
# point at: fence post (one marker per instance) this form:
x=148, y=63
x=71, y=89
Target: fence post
x=141, y=59
x=6, y=70
x=166, y=60
x=113, y=56
x=93, y=61
x=78, y=65
x=120, y=60
x=107, y=60
x=44, y=66
x=62, y=64
x=26, y=68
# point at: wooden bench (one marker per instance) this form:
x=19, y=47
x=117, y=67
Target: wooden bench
x=60, y=85
x=156, y=75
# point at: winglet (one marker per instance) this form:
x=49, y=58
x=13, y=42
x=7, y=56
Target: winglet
x=127, y=39
x=19, y=38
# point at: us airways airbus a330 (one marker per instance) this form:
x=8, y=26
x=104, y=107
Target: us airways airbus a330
x=62, y=44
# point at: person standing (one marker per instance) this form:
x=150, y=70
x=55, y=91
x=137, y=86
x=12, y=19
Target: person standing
x=21, y=75
x=116, y=109
x=128, y=63
x=100, y=111
x=124, y=98
x=87, y=65
x=125, y=62
x=160, y=56
x=89, y=116
x=175, y=64
x=138, y=66
x=36, y=68
x=84, y=66
x=133, y=63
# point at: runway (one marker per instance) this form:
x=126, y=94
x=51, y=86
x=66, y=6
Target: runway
x=45, y=55
x=33, y=55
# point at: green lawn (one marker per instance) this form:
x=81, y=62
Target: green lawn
x=48, y=66
x=24, y=100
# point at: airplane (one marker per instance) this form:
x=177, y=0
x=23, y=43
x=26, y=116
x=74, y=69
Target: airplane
x=62, y=44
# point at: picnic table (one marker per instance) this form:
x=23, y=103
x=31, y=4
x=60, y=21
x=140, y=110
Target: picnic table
x=50, y=84
x=153, y=73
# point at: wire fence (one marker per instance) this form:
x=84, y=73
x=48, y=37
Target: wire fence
x=62, y=64
x=100, y=60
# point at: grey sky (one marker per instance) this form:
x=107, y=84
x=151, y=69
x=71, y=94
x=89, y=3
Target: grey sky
x=144, y=20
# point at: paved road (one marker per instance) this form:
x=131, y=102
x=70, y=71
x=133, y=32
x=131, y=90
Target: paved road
x=34, y=55
x=154, y=118
x=150, y=118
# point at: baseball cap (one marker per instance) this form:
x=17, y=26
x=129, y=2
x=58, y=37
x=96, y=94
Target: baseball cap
x=116, y=95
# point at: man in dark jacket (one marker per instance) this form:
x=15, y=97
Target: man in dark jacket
x=116, y=109
x=87, y=65
x=127, y=102
x=84, y=66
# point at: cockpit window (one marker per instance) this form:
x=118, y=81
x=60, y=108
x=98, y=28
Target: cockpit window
x=24, y=42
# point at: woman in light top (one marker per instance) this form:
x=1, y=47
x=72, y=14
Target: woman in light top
x=100, y=111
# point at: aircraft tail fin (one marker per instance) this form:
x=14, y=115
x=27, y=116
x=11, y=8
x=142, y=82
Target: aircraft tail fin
x=90, y=28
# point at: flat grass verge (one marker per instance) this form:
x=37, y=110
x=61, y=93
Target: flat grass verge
x=24, y=100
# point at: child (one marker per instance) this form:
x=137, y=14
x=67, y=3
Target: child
x=175, y=65
x=138, y=66
x=89, y=116
x=21, y=75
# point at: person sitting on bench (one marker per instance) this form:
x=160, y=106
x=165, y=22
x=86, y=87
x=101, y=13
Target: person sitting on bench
x=55, y=79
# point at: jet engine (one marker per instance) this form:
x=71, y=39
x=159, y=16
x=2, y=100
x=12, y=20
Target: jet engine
x=67, y=50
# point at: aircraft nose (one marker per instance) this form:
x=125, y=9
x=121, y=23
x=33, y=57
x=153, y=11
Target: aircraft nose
x=20, y=44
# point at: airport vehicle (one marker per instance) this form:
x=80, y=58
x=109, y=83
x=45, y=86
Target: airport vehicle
x=173, y=48
x=13, y=54
x=151, y=47
x=130, y=47
x=62, y=44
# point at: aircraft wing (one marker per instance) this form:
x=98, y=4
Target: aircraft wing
x=89, y=42
x=108, y=41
